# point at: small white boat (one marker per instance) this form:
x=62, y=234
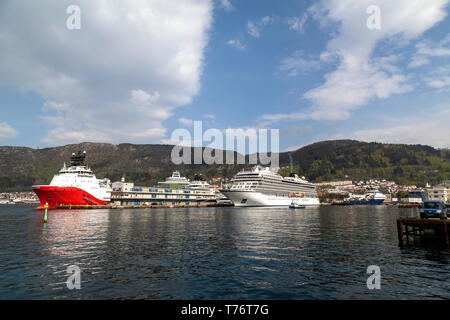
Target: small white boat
x=7, y=202
x=295, y=205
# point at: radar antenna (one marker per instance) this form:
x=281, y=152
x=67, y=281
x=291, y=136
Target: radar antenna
x=78, y=159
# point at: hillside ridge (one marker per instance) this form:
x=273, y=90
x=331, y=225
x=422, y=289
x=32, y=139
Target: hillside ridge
x=146, y=164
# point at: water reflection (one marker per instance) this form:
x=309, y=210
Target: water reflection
x=215, y=253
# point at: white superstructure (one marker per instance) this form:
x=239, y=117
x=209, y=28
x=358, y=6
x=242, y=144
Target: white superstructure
x=75, y=185
x=83, y=178
x=200, y=185
x=176, y=180
x=265, y=187
x=370, y=197
x=176, y=189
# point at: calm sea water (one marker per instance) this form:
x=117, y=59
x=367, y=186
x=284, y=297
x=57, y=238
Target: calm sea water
x=215, y=253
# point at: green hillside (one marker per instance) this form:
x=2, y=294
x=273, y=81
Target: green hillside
x=348, y=159
x=20, y=167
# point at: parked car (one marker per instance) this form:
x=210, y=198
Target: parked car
x=434, y=209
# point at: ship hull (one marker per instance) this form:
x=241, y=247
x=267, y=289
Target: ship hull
x=258, y=199
x=65, y=196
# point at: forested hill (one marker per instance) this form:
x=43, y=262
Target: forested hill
x=147, y=164
x=355, y=160
x=21, y=167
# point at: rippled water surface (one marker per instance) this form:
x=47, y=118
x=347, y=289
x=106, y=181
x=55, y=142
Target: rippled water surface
x=215, y=253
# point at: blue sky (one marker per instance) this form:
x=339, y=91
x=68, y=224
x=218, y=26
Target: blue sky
x=136, y=71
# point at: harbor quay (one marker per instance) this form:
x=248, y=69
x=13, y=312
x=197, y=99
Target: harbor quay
x=126, y=193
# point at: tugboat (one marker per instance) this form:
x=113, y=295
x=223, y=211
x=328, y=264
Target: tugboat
x=74, y=185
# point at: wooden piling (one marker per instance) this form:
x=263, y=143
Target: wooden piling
x=400, y=231
x=447, y=241
x=431, y=229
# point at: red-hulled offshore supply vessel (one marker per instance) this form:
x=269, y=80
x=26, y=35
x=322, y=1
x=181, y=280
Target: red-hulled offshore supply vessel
x=75, y=185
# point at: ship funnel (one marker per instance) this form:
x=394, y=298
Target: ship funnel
x=198, y=177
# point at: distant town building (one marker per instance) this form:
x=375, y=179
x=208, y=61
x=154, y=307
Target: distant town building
x=439, y=192
x=414, y=197
x=122, y=185
x=339, y=183
x=387, y=195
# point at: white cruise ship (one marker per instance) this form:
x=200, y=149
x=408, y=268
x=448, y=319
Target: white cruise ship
x=264, y=187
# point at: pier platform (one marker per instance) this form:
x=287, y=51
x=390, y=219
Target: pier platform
x=431, y=230
x=113, y=206
x=409, y=205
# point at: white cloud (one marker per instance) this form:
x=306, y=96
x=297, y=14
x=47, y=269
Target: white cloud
x=296, y=23
x=115, y=80
x=439, y=49
x=53, y=106
x=438, y=83
x=426, y=49
x=438, y=78
x=7, y=132
x=294, y=148
x=266, y=20
x=296, y=131
x=432, y=130
x=237, y=44
x=186, y=122
x=418, y=61
x=254, y=27
x=268, y=119
x=347, y=89
x=226, y=5
x=209, y=116
x=297, y=64
x=361, y=75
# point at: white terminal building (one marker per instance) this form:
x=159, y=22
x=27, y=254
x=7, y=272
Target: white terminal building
x=440, y=192
x=176, y=190
x=340, y=183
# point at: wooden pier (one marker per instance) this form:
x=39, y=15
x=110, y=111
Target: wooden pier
x=424, y=230
x=409, y=205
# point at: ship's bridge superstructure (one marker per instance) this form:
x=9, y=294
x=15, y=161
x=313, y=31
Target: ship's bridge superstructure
x=176, y=181
x=75, y=185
